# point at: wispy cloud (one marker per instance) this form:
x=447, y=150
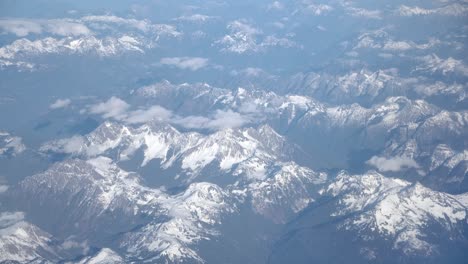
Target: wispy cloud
x=185, y=63
x=145, y=115
x=10, y=145
x=195, y=18
x=393, y=164
x=276, y=5
x=250, y=71
x=118, y=109
x=219, y=120
x=112, y=108
x=60, y=103
x=61, y=27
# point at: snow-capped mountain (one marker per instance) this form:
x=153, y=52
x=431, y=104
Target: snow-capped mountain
x=397, y=210
x=22, y=241
x=104, y=256
x=396, y=127
x=88, y=35
x=233, y=132
x=389, y=219
x=154, y=225
x=246, y=152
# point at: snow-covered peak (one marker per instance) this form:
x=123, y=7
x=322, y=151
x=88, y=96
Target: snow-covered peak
x=396, y=210
x=193, y=214
x=103, y=256
x=251, y=148
x=23, y=242
x=173, y=225
x=89, y=35
x=360, y=191
x=288, y=191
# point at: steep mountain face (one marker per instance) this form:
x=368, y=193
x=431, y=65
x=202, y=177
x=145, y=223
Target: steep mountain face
x=423, y=143
x=154, y=225
x=104, y=256
x=397, y=127
x=257, y=173
x=390, y=125
x=245, y=152
x=389, y=219
x=287, y=192
x=96, y=200
x=99, y=201
x=364, y=87
x=91, y=35
x=23, y=242
x=398, y=210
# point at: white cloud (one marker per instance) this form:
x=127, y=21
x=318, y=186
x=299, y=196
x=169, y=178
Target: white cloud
x=60, y=103
x=278, y=25
x=227, y=119
x=114, y=107
x=393, y=164
x=274, y=41
x=142, y=25
x=61, y=27
x=185, y=63
x=197, y=18
x=385, y=55
x=276, y=5
x=118, y=109
x=81, y=26
x=3, y=188
x=64, y=28
x=145, y=115
x=10, y=218
x=10, y=144
x=20, y=28
x=73, y=145
x=321, y=28
x=220, y=120
x=253, y=71
x=71, y=244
